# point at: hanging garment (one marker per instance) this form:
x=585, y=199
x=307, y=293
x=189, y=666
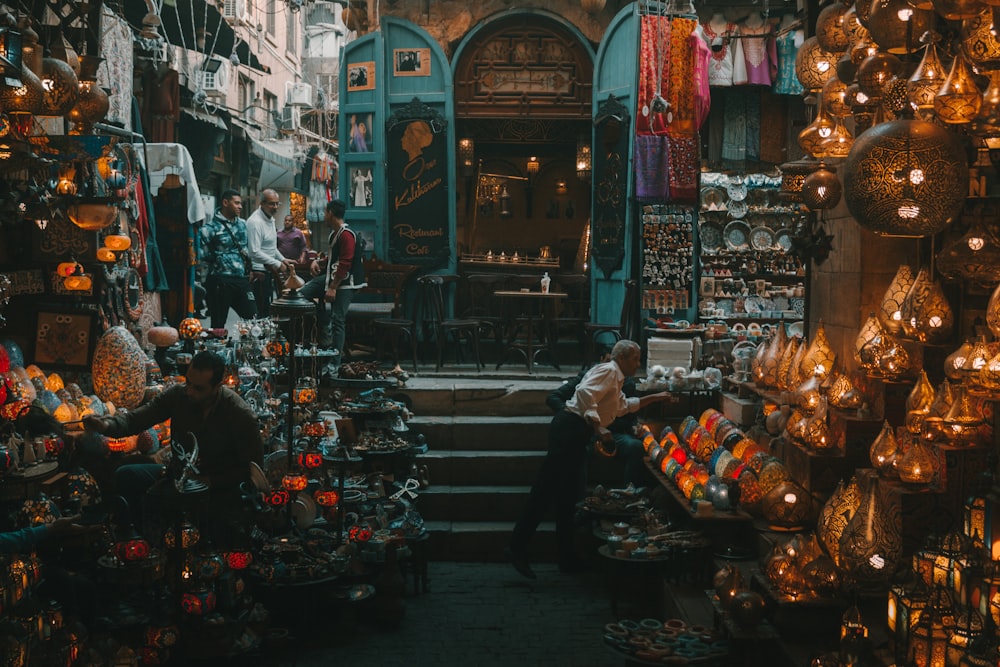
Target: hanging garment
x=161, y=105
x=756, y=58
x=734, y=130
x=654, y=55
x=684, y=167
x=719, y=39
x=699, y=75
x=652, y=180
x=787, y=46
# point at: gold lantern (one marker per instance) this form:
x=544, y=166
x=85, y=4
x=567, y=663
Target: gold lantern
x=917, y=465
x=989, y=376
x=812, y=138
x=793, y=175
x=91, y=214
x=884, y=452
x=989, y=604
x=817, y=433
x=955, y=361
x=905, y=605
x=959, y=99
x=821, y=189
x=92, y=104
x=987, y=122
x=843, y=394
x=927, y=79
x=963, y=418
x=869, y=330
x=60, y=86
x=978, y=357
x=930, y=634
x=830, y=28
x=835, y=98
x=792, y=376
x=819, y=357
x=875, y=71
x=933, y=319
x=976, y=255
x=787, y=506
x=892, y=23
x=969, y=625
x=807, y=394
x=918, y=403
x=853, y=28
x=993, y=313
x=890, y=310
x=954, y=10
x=906, y=178
x=979, y=42
x=770, y=364
x=893, y=361
x=814, y=64
x=942, y=400
x=871, y=543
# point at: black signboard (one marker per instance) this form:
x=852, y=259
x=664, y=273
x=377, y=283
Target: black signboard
x=610, y=185
x=417, y=177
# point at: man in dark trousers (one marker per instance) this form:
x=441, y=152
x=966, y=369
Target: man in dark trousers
x=335, y=282
x=625, y=446
x=596, y=402
x=224, y=249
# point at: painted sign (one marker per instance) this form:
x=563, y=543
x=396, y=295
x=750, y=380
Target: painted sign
x=416, y=175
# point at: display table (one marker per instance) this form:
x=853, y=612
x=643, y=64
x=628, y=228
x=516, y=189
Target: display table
x=526, y=316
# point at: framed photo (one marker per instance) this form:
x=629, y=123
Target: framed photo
x=411, y=62
x=707, y=287
x=65, y=338
x=361, y=187
x=361, y=76
x=359, y=133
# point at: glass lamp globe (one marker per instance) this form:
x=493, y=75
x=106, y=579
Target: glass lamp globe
x=814, y=64
x=61, y=87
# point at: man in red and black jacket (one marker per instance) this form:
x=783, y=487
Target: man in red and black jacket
x=335, y=283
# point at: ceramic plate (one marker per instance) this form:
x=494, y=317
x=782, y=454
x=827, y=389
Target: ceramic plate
x=796, y=328
x=711, y=236
x=303, y=511
x=737, y=235
x=783, y=239
x=736, y=191
x=738, y=209
x=761, y=238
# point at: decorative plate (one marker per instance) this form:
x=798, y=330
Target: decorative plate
x=736, y=191
x=737, y=235
x=783, y=239
x=258, y=477
x=738, y=209
x=796, y=328
x=761, y=238
x=711, y=236
x=713, y=199
x=303, y=511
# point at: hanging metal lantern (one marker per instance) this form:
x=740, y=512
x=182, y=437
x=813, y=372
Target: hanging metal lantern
x=821, y=189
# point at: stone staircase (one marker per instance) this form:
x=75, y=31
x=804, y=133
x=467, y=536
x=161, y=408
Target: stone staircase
x=487, y=437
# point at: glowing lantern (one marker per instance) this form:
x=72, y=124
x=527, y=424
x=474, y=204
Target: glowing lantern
x=294, y=480
x=276, y=498
x=310, y=460
x=239, y=560
x=189, y=328
x=132, y=550
x=198, y=602
x=119, y=368
x=189, y=536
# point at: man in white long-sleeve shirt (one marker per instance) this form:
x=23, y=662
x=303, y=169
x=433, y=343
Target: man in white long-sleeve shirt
x=597, y=401
x=262, y=242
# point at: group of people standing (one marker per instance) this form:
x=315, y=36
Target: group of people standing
x=248, y=260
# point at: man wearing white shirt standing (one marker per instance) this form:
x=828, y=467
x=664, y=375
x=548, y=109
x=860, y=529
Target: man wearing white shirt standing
x=262, y=241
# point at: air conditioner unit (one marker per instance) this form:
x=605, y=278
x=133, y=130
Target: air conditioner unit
x=289, y=120
x=299, y=94
x=234, y=11
x=213, y=78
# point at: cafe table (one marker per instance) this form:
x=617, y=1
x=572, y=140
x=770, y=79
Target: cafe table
x=527, y=316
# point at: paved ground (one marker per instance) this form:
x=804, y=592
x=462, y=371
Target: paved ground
x=476, y=614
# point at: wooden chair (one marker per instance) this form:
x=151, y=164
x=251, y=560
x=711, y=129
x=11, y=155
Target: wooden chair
x=380, y=304
x=626, y=327
x=482, y=306
x=575, y=312
x=440, y=326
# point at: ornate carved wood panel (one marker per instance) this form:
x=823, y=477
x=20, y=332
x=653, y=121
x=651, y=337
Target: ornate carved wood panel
x=524, y=67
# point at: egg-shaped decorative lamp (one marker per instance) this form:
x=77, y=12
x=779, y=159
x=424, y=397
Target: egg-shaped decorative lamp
x=814, y=64
x=906, y=178
x=61, y=87
x=119, y=368
x=890, y=309
x=975, y=256
x=871, y=543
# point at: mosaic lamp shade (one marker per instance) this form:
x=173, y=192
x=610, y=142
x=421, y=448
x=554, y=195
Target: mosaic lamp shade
x=975, y=256
x=890, y=310
x=189, y=328
x=925, y=82
x=894, y=23
x=906, y=178
x=959, y=99
x=814, y=64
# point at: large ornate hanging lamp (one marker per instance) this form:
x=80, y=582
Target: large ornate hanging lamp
x=61, y=87
x=877, y=70
x=814, y=135
x=974, y=257
x=830, y=28
x=906, y=178
x=954, y=10
x=979, y=43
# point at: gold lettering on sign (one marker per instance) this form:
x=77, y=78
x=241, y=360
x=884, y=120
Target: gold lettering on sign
x=408, y=232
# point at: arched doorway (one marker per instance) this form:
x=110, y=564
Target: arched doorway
x=523, y=91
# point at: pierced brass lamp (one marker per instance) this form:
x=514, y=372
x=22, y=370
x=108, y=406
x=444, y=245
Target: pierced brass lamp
x=890, y=310
x=819, y=358
x=884, y=452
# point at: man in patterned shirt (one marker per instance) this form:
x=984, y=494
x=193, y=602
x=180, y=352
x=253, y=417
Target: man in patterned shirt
x=224, y=249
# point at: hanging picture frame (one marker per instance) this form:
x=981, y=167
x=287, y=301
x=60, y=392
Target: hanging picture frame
x=361, y=76
x=64, y=338
x=411, y=62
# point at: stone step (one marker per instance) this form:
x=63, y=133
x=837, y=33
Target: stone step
x=472, y=503
x=487, y=397
x=485, y=467
x=483, y=432
x=484, y=541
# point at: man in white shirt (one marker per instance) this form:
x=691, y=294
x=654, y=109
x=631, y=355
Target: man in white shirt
x=597, y=401
x=262, y=242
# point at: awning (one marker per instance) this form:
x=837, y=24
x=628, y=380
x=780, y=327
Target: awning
x=277, y=163
x=181, y=18
x=211, y=119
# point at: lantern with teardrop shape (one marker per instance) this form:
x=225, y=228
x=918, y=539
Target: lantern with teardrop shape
x=819, y=357
x=843, y=394
x=975, y=256
x=927, y=79
x=919, y=401
x=772, y=358
x=787, y=363
x=869, y=330
x=871, y=543
x=917, y=466
x=959, y=99
x=890, y=310
x=817, y=431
